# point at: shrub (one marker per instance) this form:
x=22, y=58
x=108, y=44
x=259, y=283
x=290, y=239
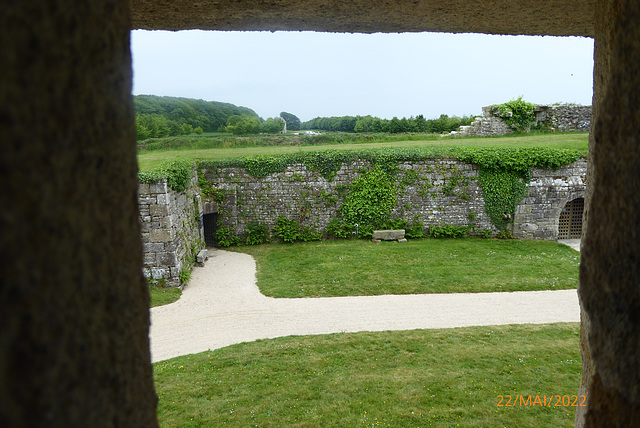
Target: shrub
x=505, y=234
x=287, y=230
x=290, y=231
x=449, y=231
x=226, y=237
x=484, y=233
x=257, y=233
x=339, y=229
x=184, y=276
x=517, y=114
x=415, y=230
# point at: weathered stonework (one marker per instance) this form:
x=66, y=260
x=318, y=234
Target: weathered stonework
x=556, y=117
x=435, y=192
x=569, y=118
x=172, y=233
x=537, y=214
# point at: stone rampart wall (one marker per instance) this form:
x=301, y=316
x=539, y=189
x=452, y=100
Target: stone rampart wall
x=171, y=230
x=434, y=192
x=538, y=213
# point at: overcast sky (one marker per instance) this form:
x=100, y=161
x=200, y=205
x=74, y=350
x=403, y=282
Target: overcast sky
x=384, y=75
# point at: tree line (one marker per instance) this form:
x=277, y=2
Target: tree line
x=158, y=117
x=440, y=125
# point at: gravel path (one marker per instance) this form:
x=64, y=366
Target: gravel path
x=223, y=306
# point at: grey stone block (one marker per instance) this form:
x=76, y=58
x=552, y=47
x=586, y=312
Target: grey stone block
x=160, y=235
x=202, y=257
x=388, y=235
x=166, y=259
x=159, y=210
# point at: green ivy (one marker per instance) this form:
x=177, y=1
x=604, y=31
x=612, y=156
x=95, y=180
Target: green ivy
x=178, y=174
x=502, y=191
x=517, y=114
x=210, y=192
x=371, y=199
x=503, y=175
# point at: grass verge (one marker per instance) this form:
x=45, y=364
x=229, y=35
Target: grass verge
x=163, y=295
x=419, y=378
x=151, y=159
x=358, y=267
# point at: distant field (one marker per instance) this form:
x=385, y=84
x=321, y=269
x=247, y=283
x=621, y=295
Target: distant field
x=579, y=141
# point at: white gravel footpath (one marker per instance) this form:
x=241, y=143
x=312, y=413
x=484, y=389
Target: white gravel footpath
x=223, y=306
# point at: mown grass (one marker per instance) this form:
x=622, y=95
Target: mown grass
x=419, y=378
x=358, y=267
x=163, y=295
x=151, y=159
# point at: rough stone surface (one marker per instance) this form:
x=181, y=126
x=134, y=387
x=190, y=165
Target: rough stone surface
x=549, y=191
x=388, y=235
x=435, y=192
x=171, y=230
x=553, y=17
x=427, y=194
x=74, y=347
x=559, y=118
x=609, y=269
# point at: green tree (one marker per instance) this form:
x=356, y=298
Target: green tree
x=243, y=125
x=272, y=125
x=164, y=116
x=293, y=123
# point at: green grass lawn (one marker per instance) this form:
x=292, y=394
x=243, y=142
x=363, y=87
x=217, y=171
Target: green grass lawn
x=163, y=295
x=359, y=267
x=418, y=378
x=151, y=159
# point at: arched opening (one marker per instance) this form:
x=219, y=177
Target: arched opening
x=570, y=223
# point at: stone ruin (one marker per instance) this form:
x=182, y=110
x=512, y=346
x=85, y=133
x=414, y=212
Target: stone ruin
x=561, y=118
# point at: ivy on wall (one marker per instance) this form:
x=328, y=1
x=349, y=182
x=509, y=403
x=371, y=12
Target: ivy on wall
x=504, y=174
x=518, y=114
x=371, y=199
x=502, y=191
x=178, y=174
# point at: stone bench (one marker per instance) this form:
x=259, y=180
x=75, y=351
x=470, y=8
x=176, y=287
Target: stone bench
x=388, y=235
x=202, y=257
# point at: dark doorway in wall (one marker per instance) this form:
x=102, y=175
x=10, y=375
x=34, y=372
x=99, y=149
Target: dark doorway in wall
x=570, y=223
x=210, y=222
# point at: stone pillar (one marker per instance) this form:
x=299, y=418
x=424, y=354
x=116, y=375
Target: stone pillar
x=74, y=348
x=610, y=259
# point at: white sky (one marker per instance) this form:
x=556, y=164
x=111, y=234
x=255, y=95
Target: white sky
x=384, y=75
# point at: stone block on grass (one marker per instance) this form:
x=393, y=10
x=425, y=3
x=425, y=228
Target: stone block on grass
x=388, y=235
